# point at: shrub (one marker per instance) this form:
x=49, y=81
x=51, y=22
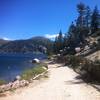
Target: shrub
x=92, y=68
x=28, y=74
x=84, y=66
x=2, y=82
x=59, y=59
x=97, y=61
x=74, y=61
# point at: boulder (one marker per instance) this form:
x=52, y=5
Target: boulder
x=23, y=83
x=18, y=77
x=35, y=60
x=77, y=49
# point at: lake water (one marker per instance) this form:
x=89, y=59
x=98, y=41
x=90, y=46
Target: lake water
x=12, y=65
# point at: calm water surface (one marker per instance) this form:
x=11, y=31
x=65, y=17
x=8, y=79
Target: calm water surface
x=12, y=65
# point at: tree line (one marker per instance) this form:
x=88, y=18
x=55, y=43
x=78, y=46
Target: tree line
x=86, y=24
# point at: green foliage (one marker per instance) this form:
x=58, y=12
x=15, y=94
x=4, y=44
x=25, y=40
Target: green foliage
x=81, y=18
x=28, y=74
x=75, y=61
x=91, y=69
x=97, y=33
x=2, y=82
x=95, y=20
x=78, y=30
x=58, y=44
x=88, y=17
x=87, y=23
x=36, y=44
x=97, y=61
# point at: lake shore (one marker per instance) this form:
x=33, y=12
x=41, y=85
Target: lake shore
x=62, y=84
x=25, y=79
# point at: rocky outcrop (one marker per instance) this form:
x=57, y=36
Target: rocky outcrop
x=94, y=56
x=13, y=85
x=20, y=83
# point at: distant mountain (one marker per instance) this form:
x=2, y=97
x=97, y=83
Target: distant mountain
x=2, y=41
x=27, y=46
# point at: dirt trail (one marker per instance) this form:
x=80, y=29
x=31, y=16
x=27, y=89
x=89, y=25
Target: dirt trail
x=62, y=84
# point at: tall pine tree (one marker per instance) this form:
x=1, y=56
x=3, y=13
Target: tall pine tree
x=81, y=18
x=95, y=20
x=88, y=17
x=58, y=44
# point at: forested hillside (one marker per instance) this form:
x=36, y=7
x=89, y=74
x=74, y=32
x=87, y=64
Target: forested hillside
x=2, y=41
x=85, y=26
x=36, y=44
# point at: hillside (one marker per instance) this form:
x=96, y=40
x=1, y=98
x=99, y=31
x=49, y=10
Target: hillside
x=94, y=56
x=27, y=46
x=2, y=42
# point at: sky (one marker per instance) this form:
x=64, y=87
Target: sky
x=23, y=19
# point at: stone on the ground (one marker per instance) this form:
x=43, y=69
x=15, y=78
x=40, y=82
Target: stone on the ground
x=13, y=85
x=35, y=60
x=18, y=77
x=78, y=49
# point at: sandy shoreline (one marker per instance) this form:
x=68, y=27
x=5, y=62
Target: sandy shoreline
x=61, y=84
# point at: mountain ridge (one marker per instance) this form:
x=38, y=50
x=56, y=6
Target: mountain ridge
x=25, y=46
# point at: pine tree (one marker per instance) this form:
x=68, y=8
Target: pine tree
x=60, y=40
x=55, y=46
x=81, y=18
x=70, y=39
x=88, y=17
x=82, y=22
x=58, y=44
x=95, y=20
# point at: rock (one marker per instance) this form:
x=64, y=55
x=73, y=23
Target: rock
x=13, y=85
x=58, y=55
x=45, y=68
x=2, y=88
x=16, y=85
x=24, y=83
x=35, y=60
x=18, y=77
x=86, y=47
x=78, y=49
x=21, y=83
x=6, y=87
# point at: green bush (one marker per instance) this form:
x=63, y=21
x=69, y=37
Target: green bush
x=28, y=74
x=2, y=82
x=75, y=61
x=97, y=61
x=83, y=65
x=96, y=34
x=92, y=68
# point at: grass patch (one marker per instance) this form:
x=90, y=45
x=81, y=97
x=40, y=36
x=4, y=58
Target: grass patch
x=2, y=82
x=12, y=90
x=28, y=74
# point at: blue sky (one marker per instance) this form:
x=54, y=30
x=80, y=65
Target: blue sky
x=22, y=19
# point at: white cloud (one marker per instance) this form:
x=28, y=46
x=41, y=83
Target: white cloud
x=51, y=36
x=5, y=38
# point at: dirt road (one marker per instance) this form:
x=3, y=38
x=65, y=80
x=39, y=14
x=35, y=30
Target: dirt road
x=62, y=84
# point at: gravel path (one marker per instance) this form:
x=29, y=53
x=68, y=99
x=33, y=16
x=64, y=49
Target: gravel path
x=62, y=84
